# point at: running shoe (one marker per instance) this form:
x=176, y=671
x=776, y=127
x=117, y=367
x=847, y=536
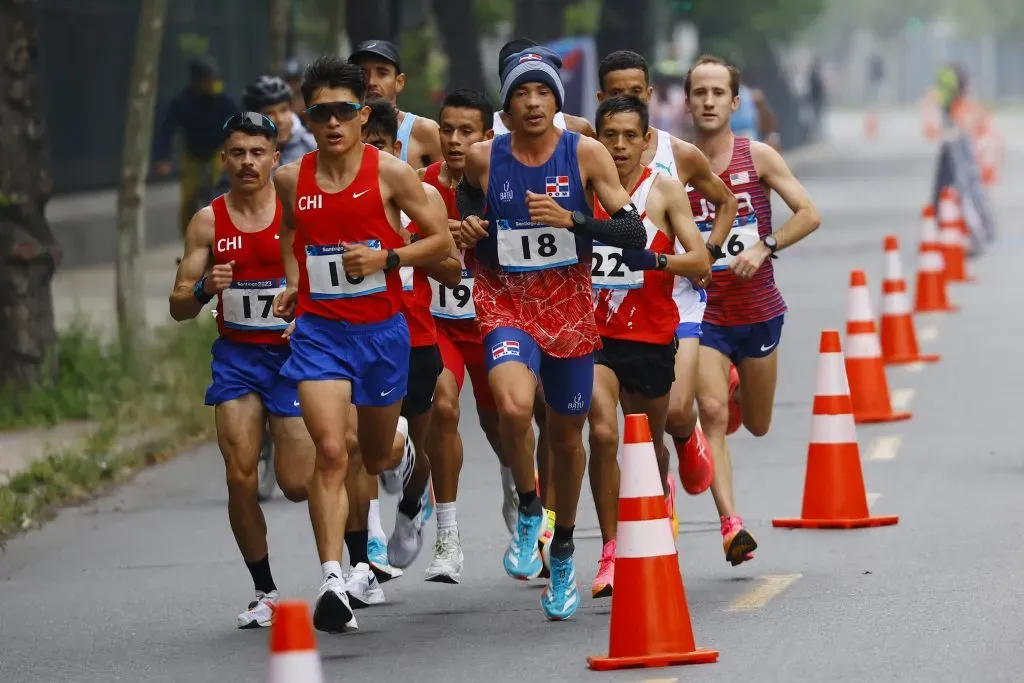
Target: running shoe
x=446, y=566
x=377, y=553
x=735, y=409
x=738, y=543
x=522, y=559
x=561, y=597
x=394, y=480
x=260, y=612
x=602, y=586
x=696, y=467
x=509, y=503
x=266, y=475
x=544, y=543
x=362, y=587
x=670, y=506
x=332, y=613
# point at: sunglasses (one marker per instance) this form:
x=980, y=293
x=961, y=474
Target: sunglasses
x=343, y=111
x=250, y=122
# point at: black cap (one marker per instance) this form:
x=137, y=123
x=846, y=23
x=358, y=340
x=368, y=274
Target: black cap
x=514, y=46
x=203, y=67
x=376, y=48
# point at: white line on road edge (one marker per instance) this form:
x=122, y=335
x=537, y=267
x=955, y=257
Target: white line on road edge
x=914, y=367
x=758, y=597
x=873, y=498
x=661, y=680
x=884, y=448
x=928, y=334
x=901, y=398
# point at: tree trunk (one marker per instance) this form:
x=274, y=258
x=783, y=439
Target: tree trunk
x=138, y=138
x=456, y=22
x=335, y=26
x=367, y=20
x=540, y=20
x=28, y=252
x=279, y=20
x=621, y=26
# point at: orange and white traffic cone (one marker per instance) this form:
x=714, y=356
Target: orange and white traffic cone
x=650, y=625
x=869, y=388
x=899, y=340
x=952, y=233
x=931, y=266
x=293, y=654
x=834, y=494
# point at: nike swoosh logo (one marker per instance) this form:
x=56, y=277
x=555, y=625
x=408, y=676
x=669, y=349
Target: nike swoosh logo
x=295, y=403
x=767, y=348
x=277, y=236
x=357, y=195
x=385, y=393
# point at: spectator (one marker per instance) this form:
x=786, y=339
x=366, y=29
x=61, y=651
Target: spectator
x=293, y=77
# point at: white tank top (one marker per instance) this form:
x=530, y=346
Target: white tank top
x=501, y=129
x=664, y=160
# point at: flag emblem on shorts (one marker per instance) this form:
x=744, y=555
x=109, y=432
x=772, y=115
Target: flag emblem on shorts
x=557, y=186
x=739, y=178
x=509, y=347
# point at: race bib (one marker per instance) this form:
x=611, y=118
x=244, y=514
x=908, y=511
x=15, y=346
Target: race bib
x=249, y=304
x=454, y=303
x=525, y=246
x=406, y=272
x=609, y=271
x=743, y=235
x=327, y=277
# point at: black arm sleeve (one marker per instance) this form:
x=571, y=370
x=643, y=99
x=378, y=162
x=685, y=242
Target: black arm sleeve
x=624, y=230
x=470, y=200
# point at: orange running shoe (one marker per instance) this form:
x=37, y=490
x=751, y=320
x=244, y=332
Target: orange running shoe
x=696, y=467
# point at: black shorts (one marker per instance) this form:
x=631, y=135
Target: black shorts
x=424, y=368
x=642, y=368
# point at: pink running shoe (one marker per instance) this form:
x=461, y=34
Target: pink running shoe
x=696, y=467
x=738, y=543
x=735, y=409
x=602, y=586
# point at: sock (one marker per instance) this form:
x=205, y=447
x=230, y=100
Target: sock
x=410, y=506
x=330, y=569
x=529, y=502
x=355, y=541
x=260, y=572
x=373, y=520
x=507, y=481
x=561, y=544
x=446, y=517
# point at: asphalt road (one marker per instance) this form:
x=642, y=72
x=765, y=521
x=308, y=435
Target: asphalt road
x=144, y=585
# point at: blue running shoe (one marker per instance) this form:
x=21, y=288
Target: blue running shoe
x=561, y=598
x=522, y=559
x=377, y=553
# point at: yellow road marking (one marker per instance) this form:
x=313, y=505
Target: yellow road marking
x=885, y=448
x=760, y=595
x=901, y=398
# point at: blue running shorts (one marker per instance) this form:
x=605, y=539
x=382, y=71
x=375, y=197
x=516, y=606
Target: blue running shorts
x=239, y=369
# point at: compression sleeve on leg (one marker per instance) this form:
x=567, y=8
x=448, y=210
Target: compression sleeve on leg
x=470, y=200
x=624, y=230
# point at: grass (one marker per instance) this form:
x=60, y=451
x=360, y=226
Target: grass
x=142, y=419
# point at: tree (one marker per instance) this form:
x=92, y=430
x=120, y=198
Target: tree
x=138, y=138
x=541, y=20
x=279, y=22
x=28, y=250
x=622, y=26
x=368, y=20
x=456, y=22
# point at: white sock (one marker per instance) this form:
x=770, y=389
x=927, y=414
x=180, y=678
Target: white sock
x=446, y=517
x=331, y=567
x=507, y=480
x=373, y=520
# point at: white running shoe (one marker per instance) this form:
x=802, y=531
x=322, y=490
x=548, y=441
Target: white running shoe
x=446, y=566
x=362, y=587
x=393, y=481
x=377, y=552
x=260, y=613
x=406, y=540
x=332, y=613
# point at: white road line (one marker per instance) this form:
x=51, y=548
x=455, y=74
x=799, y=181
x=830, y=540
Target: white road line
x=661, y=680
x=928, y=334
x=885, y=448
x=914, y=367
x=901, y=398
x=759, y=596
x=872, y=498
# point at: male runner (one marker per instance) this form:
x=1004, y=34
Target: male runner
x=533, y=294
x=342, y=250
x=381, y=67
x=238, y=235
x=627, y=73
x=636, y=316
x=272, y=97
x=743, y=320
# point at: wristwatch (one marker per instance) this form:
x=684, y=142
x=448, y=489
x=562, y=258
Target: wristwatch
x=579, y=219
x=715, y=251
x=662, y=262
x=392, y=261
x=771, y=243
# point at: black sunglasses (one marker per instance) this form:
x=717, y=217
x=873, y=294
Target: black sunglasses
x=343, y=111
x=251, y=122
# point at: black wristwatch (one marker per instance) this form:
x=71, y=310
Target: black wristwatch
x=771, y=243
x=715, y=251
x=662, y=262
x=392, y=261
x=579, y=219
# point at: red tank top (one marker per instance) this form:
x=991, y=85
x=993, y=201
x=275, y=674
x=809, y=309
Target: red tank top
x=322, y=222
x=732, y=301
x=244, y=310
x=635, y=306
x=416, y=300
x=453, y=308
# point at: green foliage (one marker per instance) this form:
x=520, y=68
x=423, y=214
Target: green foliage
x=491, y=13
x=582, y=18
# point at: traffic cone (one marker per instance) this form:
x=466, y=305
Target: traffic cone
x=293, y=655
x=899, y=340
x=650, y=625
x=834, y=495
x=952, y=231
x=931, y=266
x=869, y=389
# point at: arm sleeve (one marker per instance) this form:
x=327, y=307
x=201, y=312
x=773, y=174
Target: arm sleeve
x=470, y=200
x=624, y=230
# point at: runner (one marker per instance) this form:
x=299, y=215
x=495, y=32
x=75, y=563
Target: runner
x=635, y=314
x=272, y=97
x=418, y=136
x=342, y=249
x=744, y=316
x=627, y=73
x=533, y=295
x=238, y=236
x=465, y=119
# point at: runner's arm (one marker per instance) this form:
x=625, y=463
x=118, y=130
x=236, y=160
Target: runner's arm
x=578, y=124
x=625, y=229
x=772, y=169
x=711, y=187
x=408, y=195
x=184, y=301
x=285, y=181
x=696, y=262
x=427, y=135
x=470, y=194
x=449, y=271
